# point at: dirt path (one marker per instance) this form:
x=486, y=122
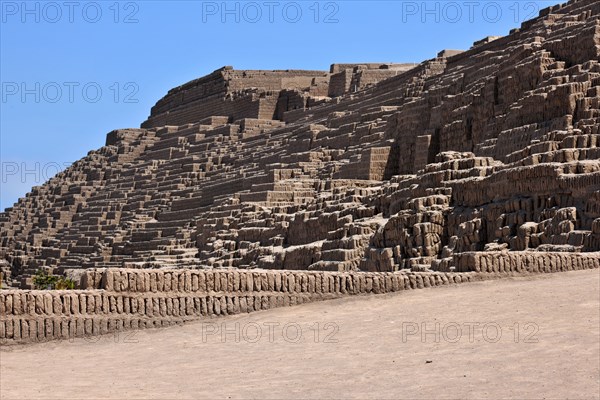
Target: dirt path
x=519, y=338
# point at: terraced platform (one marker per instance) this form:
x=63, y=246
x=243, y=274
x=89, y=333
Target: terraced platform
x=366, y=167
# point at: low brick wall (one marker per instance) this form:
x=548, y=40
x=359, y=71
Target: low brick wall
x=115, y=300
x=256, y=281
x=525, y=261
x=119, y=299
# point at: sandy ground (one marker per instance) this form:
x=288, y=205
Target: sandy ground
x=527, y=338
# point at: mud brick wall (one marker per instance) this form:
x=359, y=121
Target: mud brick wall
x=137, y=299
x=244, y=105
x=422, y=151
x=228, y=92
x=115, y=300
x=365, y=77
x=372, y=165
x=526, y=261
x=272, y=80
x=353, y=77
x=377, y=158
x=340, y=83
x=530, y=180
x=206, y=86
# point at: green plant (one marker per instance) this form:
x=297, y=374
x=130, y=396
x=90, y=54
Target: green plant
x=42, y=280
x=64, y=284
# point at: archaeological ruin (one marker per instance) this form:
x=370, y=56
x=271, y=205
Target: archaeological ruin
x=247, y=190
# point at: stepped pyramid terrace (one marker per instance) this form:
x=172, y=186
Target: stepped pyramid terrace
x=245, y=190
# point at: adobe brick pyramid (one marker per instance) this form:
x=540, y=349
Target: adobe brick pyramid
x=453, y=164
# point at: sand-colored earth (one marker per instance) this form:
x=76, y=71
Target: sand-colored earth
x=533, y=338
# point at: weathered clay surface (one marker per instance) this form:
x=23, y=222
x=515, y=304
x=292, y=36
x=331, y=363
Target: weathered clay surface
x=453, y=164
x=114, y=299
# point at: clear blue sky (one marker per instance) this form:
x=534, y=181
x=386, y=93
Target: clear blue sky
x=55, y=56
